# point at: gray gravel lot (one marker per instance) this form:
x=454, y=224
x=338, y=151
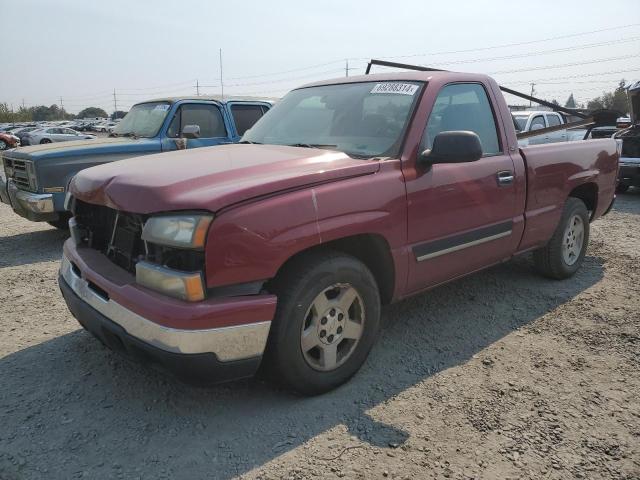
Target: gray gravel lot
x=503, y=374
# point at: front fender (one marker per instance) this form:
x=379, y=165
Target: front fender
x=252, y=241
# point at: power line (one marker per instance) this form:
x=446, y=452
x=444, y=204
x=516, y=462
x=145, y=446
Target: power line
x=548, y=67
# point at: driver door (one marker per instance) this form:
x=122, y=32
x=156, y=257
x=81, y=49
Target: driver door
x=461, y=215
x=207, y=116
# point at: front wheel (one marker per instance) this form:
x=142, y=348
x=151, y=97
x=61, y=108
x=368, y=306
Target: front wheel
x=3, y=145
x=565, y=252
x=326, y=322
x=45, y=140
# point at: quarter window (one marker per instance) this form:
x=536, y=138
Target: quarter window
x=463, y=106
x=207, y=117
x=539, y=121
x=553, y=120
x=245, y=116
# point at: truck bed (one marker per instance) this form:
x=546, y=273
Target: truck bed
x=553, y=172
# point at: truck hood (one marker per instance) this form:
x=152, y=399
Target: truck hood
x=98, y=146
x=211, y=178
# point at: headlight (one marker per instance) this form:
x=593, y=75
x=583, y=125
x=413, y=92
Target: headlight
x=182, y=231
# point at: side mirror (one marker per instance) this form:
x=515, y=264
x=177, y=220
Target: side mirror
x=537, y=126
x=191, y=131
x=453, y=147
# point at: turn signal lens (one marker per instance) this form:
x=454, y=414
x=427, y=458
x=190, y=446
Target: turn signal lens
x=174, y=283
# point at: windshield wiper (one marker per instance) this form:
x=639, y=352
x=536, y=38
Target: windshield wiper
x=311, y=145
x=247, y=142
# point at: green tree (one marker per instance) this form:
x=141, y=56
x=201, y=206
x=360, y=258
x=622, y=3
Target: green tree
x=616, y=100
x=92, y=112
x=571, y=102
x=118, y=114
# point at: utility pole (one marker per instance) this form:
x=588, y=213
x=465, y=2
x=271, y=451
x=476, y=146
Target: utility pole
x=221, y=82
x=115, y=104
x=23, y=104
x=61, y=108
x=532, y=92
x=346, y=68
x=197, y=89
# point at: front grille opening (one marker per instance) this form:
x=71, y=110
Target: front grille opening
x=118, y=235
x=98, y=291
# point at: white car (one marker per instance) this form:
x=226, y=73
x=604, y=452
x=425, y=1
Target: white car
x=103, y=127
x=56, y=134
x=527, y=121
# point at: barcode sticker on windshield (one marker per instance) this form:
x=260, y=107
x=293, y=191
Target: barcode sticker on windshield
x=163, y=107
x=390, y=87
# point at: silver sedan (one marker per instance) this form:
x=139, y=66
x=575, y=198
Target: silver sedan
x=56, y=134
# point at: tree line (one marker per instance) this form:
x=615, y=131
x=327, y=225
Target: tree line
x=618, y=100
x=54, y=112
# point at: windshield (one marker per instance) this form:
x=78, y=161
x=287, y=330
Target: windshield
x=521, y=121
x=361, y=119
x=143, y=120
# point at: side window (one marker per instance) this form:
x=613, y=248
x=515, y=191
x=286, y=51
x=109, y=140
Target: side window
x=463, y=106
x=207, y=117
x=245, y=116
x=553, y=120
x=539, y=121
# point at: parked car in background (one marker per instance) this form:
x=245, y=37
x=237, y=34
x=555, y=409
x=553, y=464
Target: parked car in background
x=347, y=195
x=7, y=140
x=527, y=121
x=103, y=127
x=56, y=134
x=38, y=176
x=23, y=134
x=630, y=137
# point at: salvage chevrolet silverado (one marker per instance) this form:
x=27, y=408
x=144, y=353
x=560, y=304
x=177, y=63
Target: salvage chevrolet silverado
x=347, y=195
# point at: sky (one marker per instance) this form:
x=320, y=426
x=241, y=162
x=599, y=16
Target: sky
x=81, y=51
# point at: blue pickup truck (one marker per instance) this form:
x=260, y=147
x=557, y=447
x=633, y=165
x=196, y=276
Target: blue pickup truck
x=37, y=177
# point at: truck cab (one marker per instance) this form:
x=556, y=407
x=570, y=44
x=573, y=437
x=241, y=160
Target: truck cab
x=37, y=177
x=528, y=121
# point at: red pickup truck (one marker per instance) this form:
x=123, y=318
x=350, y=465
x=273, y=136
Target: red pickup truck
x=348, y=195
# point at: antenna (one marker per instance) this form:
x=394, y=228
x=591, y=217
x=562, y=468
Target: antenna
x=221, y=83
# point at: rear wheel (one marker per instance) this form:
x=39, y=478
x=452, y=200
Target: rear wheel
x=45, y=140
x=565, y=252
x=327, y=320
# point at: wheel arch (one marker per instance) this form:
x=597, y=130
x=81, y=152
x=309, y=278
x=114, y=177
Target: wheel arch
x=588, y=193
x=371, y=249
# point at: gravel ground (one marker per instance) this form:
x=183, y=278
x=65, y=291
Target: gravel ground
x=503, y=374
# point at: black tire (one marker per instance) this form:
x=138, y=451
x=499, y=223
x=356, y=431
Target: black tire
x=622, y=188
x=44, y=140
x=3, y=145
x=297, y=287
x=62, y=223
x=550, y=260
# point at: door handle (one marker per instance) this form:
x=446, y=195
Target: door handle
x=505, y=177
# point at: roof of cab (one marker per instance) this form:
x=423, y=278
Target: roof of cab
x=410, y=75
